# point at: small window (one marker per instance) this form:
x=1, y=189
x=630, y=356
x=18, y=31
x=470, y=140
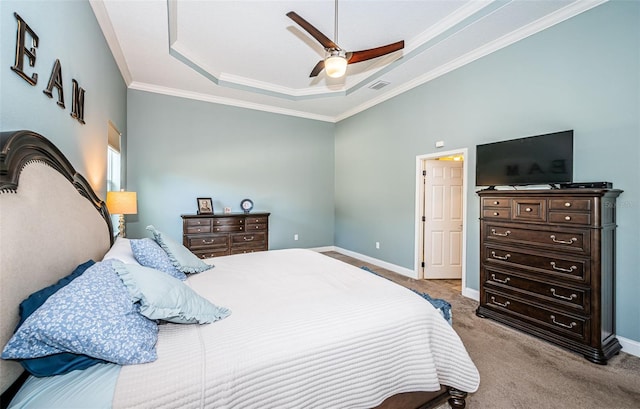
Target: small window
x=114, y=166
x=114, y=179
x=113, y=170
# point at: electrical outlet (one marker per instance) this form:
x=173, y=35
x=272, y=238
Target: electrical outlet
x=295, y=237
x=377, y=244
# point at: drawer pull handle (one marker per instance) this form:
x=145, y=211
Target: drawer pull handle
x=248, y=238
x=505, y=257
x=496, y=214
x=570, y=326
x=528, y=209
x=567, y=218
x=207, y=241
x=567, y=204
x=505, y=234
x=496, y=203
x=570, y=298
x=505, y=281
x=198, y=229
x=570, y=242
x=506, y=304
x=566, y=270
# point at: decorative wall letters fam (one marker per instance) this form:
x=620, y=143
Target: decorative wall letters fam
x=55, y=80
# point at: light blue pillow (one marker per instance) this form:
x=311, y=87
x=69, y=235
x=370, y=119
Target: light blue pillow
x=163, y=297
x=180, y=256
x=149, y=254
x=93, y=315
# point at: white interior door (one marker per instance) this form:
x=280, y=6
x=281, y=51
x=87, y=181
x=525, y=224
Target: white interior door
x=443, y=219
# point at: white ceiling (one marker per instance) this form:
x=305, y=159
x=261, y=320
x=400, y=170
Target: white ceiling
x=250, y=54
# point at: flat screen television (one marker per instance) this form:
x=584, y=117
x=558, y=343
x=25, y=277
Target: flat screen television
x=534, y=160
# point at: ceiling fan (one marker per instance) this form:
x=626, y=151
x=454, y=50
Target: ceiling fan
x=336, y=60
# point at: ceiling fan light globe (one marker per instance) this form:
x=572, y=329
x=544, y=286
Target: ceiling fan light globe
x=335, y=66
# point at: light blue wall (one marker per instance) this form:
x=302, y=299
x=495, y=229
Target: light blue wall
x=583, y=74
x=68, y=31
x=183, y=149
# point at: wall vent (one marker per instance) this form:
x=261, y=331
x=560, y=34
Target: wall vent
x=378, y=84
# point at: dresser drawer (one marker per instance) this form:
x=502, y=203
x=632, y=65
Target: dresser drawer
x=211, y=253
x=197, y=226
x=570, y=218
x=529, y=209
x=570, y=204
x=227, y=221
x=572, y=269
x=249, y=240
x=207, y=242
x=262, y=220
x=496, y=202
x=254, y=227
x=246, y=250
x=502, y=214
x=229, y=228
x=570, y=240
x=564, y=296
x=568, y=325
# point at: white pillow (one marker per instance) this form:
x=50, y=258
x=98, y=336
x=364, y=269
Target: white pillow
x=121, y=250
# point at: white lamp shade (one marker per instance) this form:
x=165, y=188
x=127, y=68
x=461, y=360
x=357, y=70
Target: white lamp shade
x=122, y=202
x=335, y=66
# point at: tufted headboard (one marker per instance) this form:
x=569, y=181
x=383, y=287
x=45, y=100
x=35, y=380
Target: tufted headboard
x=51, y=221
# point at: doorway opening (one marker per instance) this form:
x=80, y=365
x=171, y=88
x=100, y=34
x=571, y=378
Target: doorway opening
x=441, y=207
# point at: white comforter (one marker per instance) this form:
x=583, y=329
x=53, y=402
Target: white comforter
x=306, y=331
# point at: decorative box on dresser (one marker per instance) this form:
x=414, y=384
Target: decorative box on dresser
x=209, y=235
x=548, y=265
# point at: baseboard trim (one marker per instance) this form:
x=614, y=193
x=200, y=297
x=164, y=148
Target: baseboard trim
x=629, y=346
x=467, y=292
x=380, y=263
x=471, y=293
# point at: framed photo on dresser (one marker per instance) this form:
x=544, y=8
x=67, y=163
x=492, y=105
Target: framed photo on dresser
x=205, y=206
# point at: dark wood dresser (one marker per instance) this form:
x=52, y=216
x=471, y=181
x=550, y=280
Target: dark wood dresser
x=209, y=235
x=547, y=265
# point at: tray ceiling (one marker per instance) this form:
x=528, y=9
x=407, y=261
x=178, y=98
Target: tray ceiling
x=250, y=54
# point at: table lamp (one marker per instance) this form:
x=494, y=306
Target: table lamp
x=122, y=203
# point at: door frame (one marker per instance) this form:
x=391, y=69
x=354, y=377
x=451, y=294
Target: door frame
x=419, y=228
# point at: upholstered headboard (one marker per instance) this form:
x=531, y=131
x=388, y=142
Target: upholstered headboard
x=51, y=221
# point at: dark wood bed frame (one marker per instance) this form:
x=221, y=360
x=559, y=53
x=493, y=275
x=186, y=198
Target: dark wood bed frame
x=19, y=148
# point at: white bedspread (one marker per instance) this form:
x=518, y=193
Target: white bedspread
x=306, y=331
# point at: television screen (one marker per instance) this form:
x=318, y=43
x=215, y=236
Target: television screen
x=534, y=160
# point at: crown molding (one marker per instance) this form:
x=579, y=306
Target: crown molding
x=109, y=34
x=156, y=89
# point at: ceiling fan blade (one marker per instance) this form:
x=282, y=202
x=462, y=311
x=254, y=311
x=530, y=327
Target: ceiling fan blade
x=315, y=33
x=364, y=55
x=317, y=69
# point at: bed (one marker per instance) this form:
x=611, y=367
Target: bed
x=291, y=328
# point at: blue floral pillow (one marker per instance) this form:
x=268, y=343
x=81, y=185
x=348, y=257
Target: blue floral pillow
x=180, y=256
x=149, y=254
x=93, y=315
x=63, y=362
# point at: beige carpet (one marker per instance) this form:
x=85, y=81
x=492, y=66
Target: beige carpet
x=518, y=371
